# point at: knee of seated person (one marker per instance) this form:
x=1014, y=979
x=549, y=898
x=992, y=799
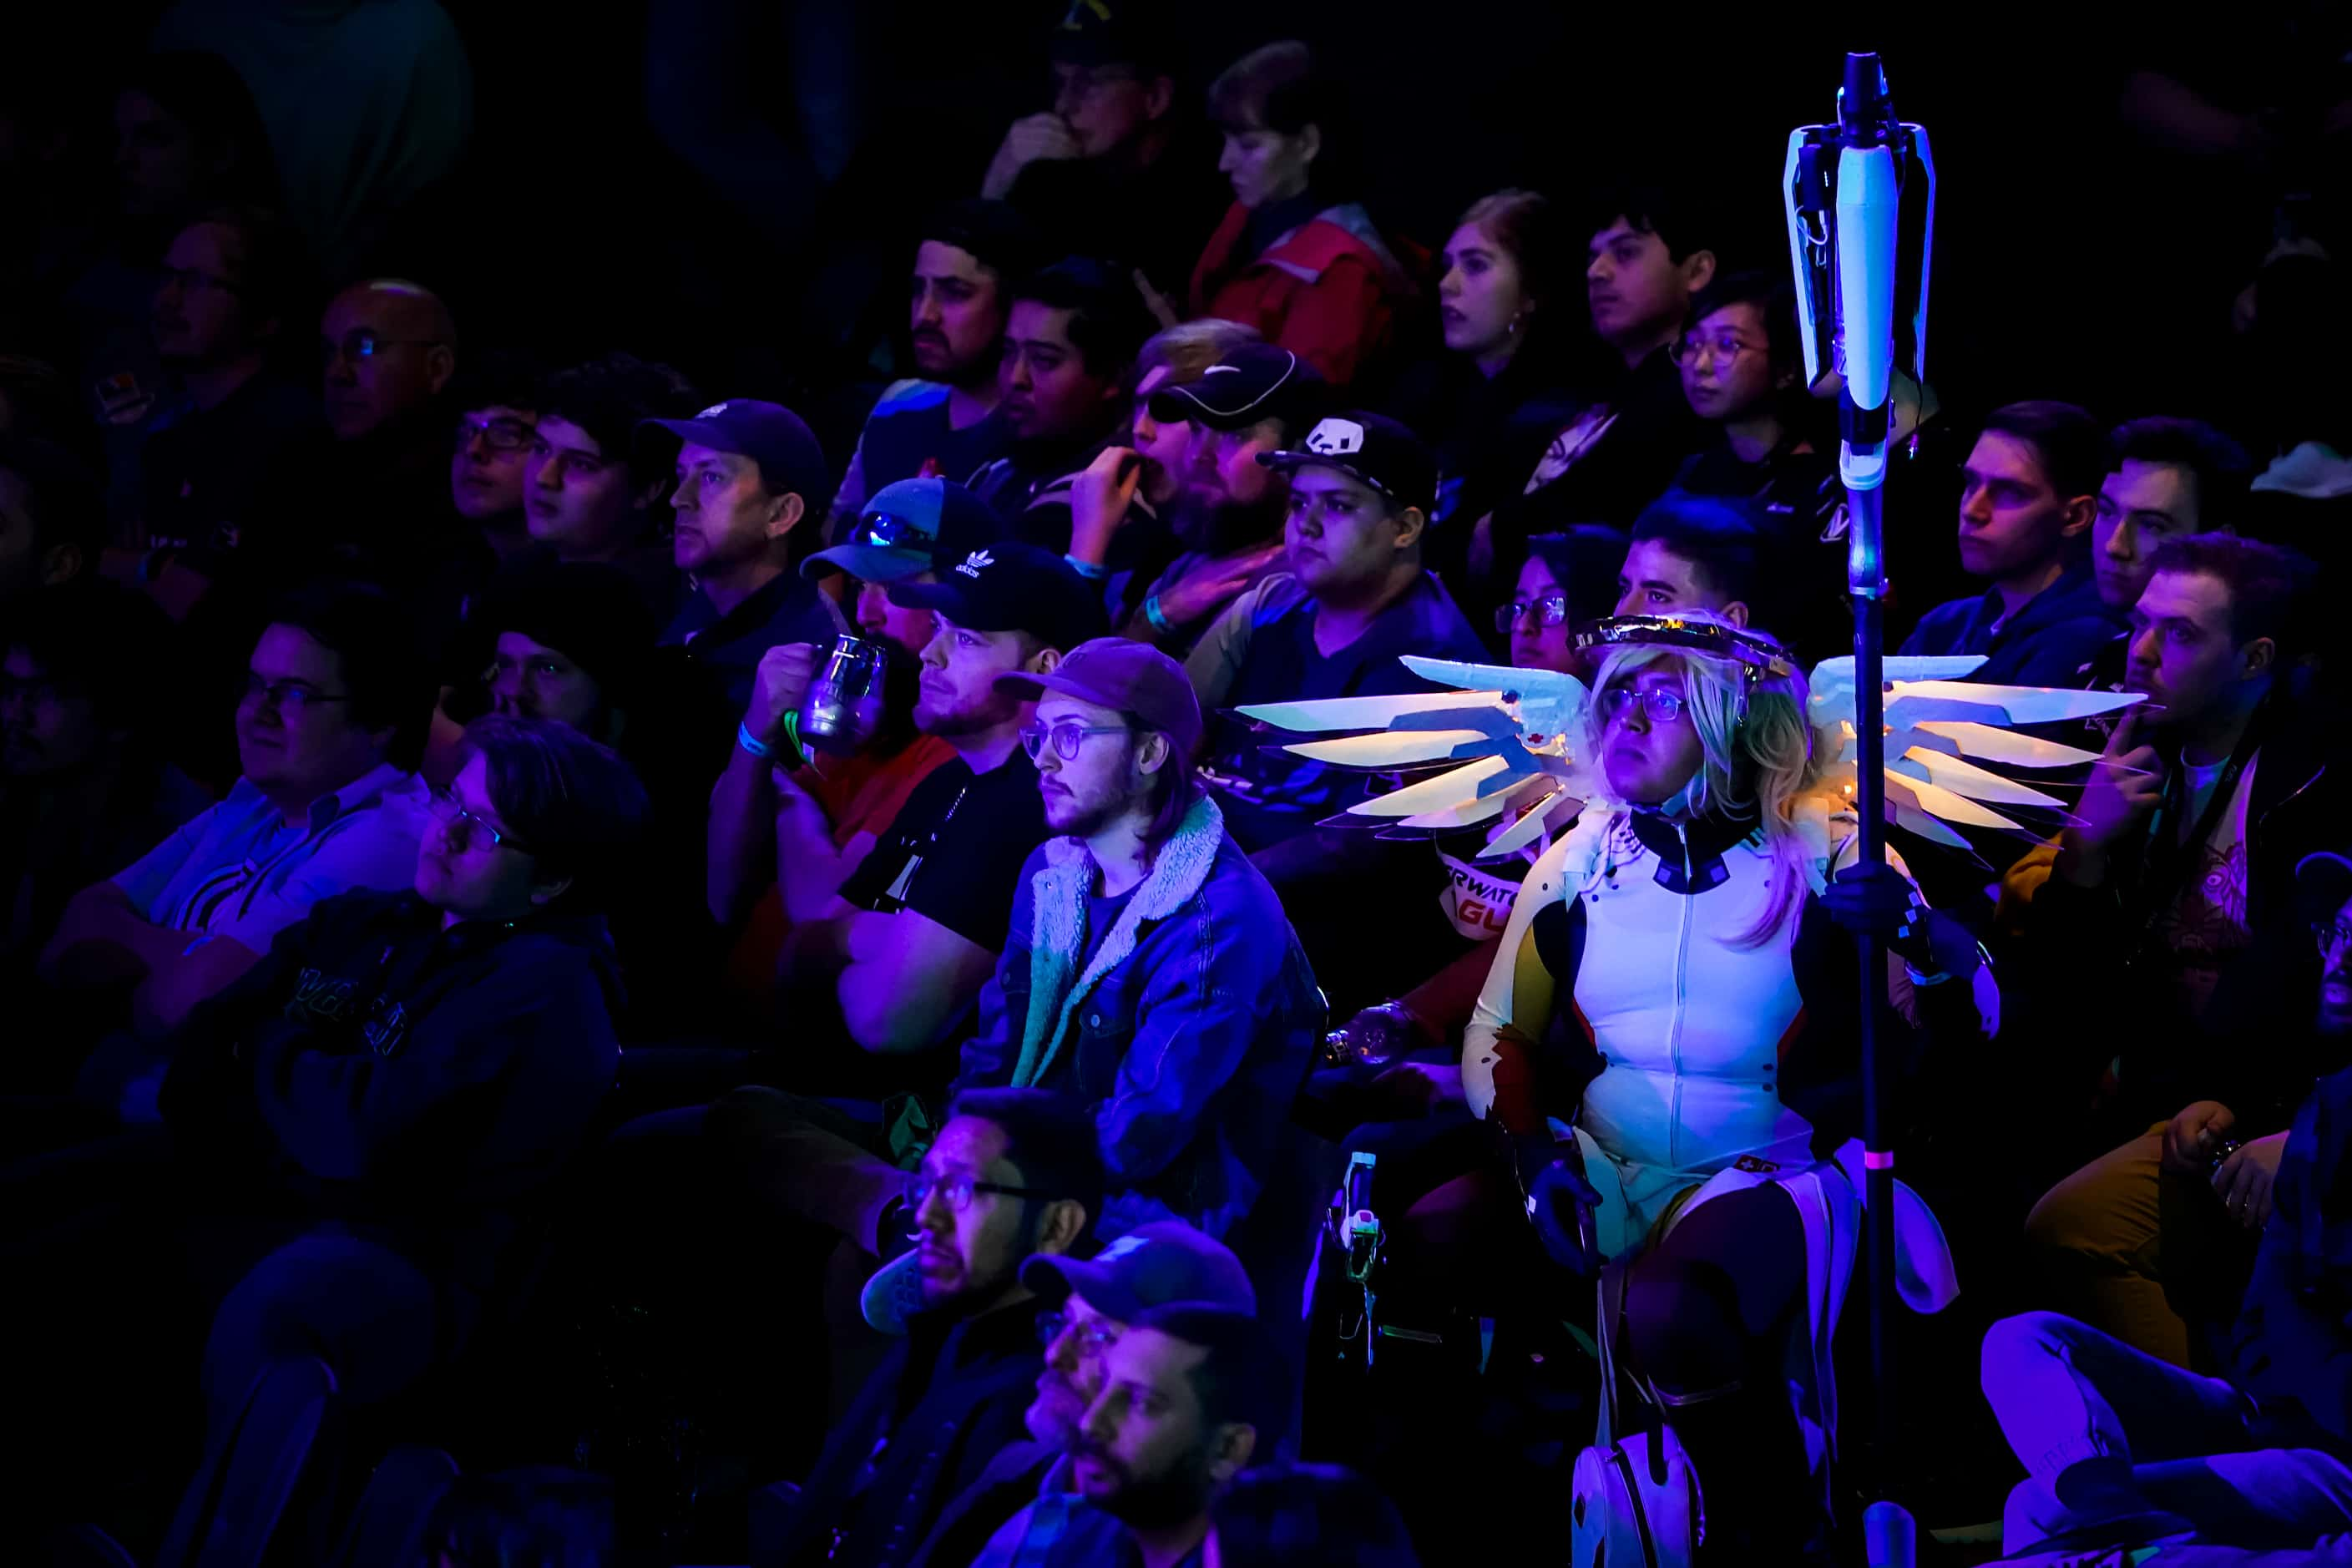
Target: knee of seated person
x=1684, y=1334
x=739, y=1121
x=2026, y=1336
x=2065, y=1219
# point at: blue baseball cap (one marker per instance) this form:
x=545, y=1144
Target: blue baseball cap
x=770, y=434
x=1151, y=1266
x=897, y=533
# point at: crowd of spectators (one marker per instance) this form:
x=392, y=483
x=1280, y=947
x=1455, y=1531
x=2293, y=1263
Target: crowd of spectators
x=747, y=952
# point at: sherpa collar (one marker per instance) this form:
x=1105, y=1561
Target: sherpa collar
x=1059, y=929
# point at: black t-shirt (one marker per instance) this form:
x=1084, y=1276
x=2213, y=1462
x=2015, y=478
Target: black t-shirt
x=954, y=851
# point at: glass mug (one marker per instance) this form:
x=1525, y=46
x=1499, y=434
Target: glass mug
x=843, y=710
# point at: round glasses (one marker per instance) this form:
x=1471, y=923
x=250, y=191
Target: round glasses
x=464, y=826
x=1067, y=738
x=1691, y=350
x=1663, y=706
x=362, y=344
x=890, y=531
x=1094, y=1337
x=501, y=434
x=1551, y=610
x=2332, y=936
x=287, y=695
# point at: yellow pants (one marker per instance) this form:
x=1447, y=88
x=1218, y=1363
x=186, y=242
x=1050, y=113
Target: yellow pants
x=2140, y=1251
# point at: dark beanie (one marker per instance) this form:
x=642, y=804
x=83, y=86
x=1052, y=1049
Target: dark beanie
x=590, y=613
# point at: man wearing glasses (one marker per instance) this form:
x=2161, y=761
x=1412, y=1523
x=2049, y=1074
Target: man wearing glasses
x=2181, y=967
x=328, y=734
x=1013, y=1177
x=1023, y=1501
x=497, y=405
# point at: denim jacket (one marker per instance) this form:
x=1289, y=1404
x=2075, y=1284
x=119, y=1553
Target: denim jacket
x=1189, y=1030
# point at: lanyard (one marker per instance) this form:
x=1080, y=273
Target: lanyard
x=2167, y=863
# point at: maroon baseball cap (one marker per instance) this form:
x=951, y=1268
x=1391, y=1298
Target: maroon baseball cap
x=1131, y=677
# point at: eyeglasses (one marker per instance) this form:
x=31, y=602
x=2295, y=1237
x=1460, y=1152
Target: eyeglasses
x=2332, y=936
x=1551, y=610
x=464, y=825
x=287, y=696
x=500, y=434
x=1067, y=738
x=362, y=344
x=190, y=278
x=891, y=532
x=532, y=671
x=1726, y=350
x=1663, y=706
x=1094, y=1336
x=955, y=1191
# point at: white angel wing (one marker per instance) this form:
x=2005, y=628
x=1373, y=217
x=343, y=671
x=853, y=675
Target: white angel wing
x=1505, y=733
x=1941, y=730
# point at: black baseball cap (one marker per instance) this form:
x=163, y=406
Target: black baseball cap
x=1375, y=448
x=1254, y=381
x=897, y=532
x=1155, y=1265
x=770, y=434
x=2322, y=882
x=1011, y=587
x=1114, y=33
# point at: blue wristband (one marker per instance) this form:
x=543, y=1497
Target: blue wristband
x=1093, y=571
x=1152, y=613
x=752, y=743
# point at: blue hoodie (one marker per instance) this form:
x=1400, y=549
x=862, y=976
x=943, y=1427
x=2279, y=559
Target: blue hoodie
x=384, y=1072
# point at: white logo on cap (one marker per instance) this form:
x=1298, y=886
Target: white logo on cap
x=1335, y=438
x=974, y=562
x=1223, y=369
x=713, y=412
x=1120, y=1248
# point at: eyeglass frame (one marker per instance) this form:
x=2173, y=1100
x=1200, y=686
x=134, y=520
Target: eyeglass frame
x=449, y=810
x=1035, y=733
x=468, y=428
x=1051, y=1326
x=362, y=343
x=1551, y=609
x=275, y=695
x=919, y=1188
x=1614, y=702
x=883, y=531
x=2331, y=935
x=1686, y=351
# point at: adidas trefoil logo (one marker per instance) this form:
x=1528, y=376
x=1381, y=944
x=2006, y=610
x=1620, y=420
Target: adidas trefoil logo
x=972, y=562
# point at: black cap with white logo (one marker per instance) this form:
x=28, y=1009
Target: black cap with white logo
x=1254, y=381
x=1011, y=587
x=1375, y=448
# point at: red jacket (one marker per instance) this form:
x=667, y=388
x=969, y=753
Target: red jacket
x=1328, y=290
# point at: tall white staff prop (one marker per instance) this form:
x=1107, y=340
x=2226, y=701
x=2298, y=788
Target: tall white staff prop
x=1843, y=185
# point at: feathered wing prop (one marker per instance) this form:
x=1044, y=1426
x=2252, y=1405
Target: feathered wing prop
x=1497, y=748
x=1501, y=739
x=1940, y=730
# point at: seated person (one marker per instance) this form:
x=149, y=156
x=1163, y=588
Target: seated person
x=968, y=259
x=2122, y=1448
x=1025, y=1496
x=1297, y=255
x=594, y=489
x=760, y=839
x=1726, y=1071
x=328, y=734
x=1069, y=346
x=2170, y=477
x=497, y=399
x=52, y=519
x=84, y=788
x=1354, y=599
x=1692, y=553
x=2177, y=961
x=1223, y=508
x=1191, y=1395
x=1307, y=1516
x=405, y=1071
x=1013, y=1175
x=2029, y=491
x=905, y=945
x=748, y=474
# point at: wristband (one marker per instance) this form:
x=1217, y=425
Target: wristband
x=749, y=742
x=1092, y=571
x=1151, y=612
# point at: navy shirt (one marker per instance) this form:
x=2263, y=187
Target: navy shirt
x=789, y=609
x=908, y=435
x=2046, y=643
x=1268, y=794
